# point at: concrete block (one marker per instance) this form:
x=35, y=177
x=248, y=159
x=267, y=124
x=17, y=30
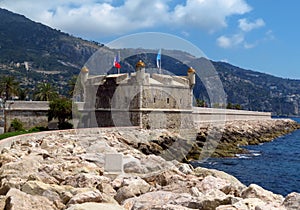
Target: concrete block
x=113, y=163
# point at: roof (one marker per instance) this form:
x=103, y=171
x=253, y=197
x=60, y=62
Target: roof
x=84, y=69
x=140, y=64
x=191, y=70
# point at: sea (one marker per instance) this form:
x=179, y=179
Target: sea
x=274, y=166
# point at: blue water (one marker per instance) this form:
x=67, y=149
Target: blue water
x=275, y=165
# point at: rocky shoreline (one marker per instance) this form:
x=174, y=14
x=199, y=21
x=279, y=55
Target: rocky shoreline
x=65, y=170
x=243, y=133
x=226, y=141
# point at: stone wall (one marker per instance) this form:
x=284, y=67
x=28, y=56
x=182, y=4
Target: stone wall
x=34, y=113
x=207, y=115
x=166, y=97
x=30, y=113
x=167, y=119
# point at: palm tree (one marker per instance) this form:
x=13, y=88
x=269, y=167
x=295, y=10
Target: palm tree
x=8, y=86
x=45, y=92
x=23, y=93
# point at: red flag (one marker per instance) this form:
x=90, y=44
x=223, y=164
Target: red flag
x=117, y=62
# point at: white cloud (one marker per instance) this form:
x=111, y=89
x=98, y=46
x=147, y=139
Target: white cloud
x=208, y=14
x=269, y=35
x=247, y=26
x=230, y=41
x=96, y=18
x=239, y=39
x=250, y=45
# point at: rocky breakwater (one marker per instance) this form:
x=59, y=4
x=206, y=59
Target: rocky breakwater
x=65, y=170
x=243, y=133
x=218, y=140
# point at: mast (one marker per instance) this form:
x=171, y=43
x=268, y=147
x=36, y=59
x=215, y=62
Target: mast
x=119, y=61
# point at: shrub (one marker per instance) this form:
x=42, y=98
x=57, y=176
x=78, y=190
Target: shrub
x=37, y=129
x=17, y=125
x=61, y=109
x=65, y=125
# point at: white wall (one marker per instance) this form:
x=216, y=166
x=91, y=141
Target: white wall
x=203, y=115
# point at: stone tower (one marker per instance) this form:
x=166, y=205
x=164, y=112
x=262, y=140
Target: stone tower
x=142, y=99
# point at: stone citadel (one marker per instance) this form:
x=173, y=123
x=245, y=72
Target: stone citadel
x=148, y=100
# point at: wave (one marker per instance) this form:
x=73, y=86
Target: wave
x=252, y=153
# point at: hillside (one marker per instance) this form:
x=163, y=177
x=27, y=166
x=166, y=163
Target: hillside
x=35, y=53
x=259, y=91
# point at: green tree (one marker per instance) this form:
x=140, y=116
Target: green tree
x=23, y=93
x=229, y=106
x=200, y=103
x=45, y=92
x=8, y=87
x=237, y=106
x=61, y=109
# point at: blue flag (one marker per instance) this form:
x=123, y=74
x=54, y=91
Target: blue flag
x=158, y=59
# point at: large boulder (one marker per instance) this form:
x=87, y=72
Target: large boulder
x=52, y=192
x=8, y=183
x=90, y=196
x=185, y=168
x=292, y=201
x=158, y=199
x=203, y=172
x=219, y=179
x=210, y=183
x=95, y=206
x=251, y=203
x=255, y=191
x=22, y=168
x=172, y=180
x=162, y=199
x=130, y=187
x=2, y=201
x=17, y=200
x=152, y=163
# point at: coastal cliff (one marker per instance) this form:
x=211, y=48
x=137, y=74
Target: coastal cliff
x=65, y=170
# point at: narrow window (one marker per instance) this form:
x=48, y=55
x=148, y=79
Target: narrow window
x=154, y=100
x=168, y=100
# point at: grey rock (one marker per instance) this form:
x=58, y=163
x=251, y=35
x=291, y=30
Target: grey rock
x=131, y=186
x=255, y=191
x=17, y=200
x=203, y=172
x=90, y=196
x=95, y=206
x=292, y=201
x=185, y=168
x=83, y=180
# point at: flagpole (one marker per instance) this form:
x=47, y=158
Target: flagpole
x=119, y=61
x=160, y=63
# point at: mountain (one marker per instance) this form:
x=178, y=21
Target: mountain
x=259, y=91
x=35, y=53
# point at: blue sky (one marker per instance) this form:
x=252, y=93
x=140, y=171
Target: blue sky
x=261, y=35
